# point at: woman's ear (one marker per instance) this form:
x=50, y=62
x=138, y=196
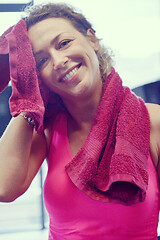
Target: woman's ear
x=93, y=40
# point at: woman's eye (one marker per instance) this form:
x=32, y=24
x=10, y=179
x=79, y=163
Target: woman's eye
x=64, y=43
x=41, y=62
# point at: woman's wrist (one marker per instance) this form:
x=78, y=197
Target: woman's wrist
x=29, y=120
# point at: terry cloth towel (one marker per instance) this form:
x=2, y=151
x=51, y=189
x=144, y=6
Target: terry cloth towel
x=111, y=166
x=17, y=64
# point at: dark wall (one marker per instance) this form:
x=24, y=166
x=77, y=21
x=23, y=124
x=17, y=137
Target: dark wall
x=149, y=92
x=5, y=115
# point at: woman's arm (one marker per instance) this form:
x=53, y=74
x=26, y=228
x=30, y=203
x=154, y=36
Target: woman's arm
x=22, y=152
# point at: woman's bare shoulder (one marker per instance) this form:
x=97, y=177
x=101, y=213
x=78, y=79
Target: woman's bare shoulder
x=154, y=113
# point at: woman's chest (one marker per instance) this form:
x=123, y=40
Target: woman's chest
x=66, y=203
x=154, y=114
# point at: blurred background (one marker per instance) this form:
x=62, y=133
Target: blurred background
x=131, y=29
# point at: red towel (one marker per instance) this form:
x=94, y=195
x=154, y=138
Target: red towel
x=18, y=65
x=111, y=166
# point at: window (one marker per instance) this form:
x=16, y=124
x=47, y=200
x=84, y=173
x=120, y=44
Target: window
x=14, y=5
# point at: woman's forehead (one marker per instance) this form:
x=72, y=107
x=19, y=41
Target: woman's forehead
x=49, y=29
x=55, y=23
x=52, y=25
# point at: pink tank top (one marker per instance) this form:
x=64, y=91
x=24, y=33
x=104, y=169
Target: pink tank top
x=75, y=216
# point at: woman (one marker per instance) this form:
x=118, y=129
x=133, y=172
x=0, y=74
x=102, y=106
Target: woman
x=73, y=65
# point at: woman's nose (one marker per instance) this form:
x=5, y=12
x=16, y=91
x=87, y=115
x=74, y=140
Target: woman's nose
x=59, y=60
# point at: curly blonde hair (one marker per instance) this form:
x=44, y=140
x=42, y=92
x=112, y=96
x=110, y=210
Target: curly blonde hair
x=36, y=13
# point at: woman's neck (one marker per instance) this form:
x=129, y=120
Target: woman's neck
x=82, y=111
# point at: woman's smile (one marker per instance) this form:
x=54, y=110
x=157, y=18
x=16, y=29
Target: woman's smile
x=70, y=75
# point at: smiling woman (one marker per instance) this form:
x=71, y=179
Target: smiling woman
x=102, y=183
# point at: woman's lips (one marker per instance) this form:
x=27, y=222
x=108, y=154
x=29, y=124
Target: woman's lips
x=69, y=74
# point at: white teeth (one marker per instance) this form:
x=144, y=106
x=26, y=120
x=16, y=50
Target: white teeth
x=70, y=74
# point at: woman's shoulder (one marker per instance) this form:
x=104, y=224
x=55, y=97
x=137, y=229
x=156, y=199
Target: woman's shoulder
x=154, y=114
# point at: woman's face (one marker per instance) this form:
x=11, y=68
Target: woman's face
x=65, y=58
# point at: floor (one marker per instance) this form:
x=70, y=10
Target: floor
x=35, y=235
x=39, y=235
